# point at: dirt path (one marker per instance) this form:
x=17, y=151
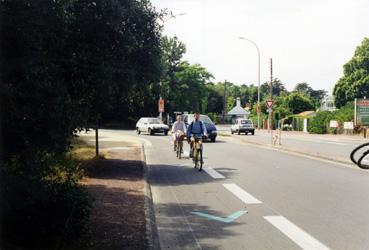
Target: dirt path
x=118, y=217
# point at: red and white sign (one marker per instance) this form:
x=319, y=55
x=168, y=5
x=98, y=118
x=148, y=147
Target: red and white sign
x=161, y=105
x=269, y=104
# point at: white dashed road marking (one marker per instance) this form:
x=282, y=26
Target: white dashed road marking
x=241, y=194
x=297, y=235
x=213, y=173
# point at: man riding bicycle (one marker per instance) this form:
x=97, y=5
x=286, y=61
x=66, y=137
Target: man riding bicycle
x=195, y=131
x=178, y=131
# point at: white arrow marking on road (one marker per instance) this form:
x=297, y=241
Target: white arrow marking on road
x=296, y=234
x=241, y=194
x=213, y=173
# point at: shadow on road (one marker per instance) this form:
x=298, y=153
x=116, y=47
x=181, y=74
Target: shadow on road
x=186, y=174
x=177, y=221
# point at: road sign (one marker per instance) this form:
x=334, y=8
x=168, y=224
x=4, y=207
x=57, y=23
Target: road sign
x=269, y=110
x=161, y=105
x=362, y=112
x=348, y=125
x=269, y=104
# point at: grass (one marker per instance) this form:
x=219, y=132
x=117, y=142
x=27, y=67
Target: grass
x=84, y=155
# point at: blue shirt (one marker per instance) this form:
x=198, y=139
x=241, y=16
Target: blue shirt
x=196, y=129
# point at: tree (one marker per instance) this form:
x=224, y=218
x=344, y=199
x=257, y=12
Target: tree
x=215, y=99
x=355, y=80
x=63, y=64
x=278, y=88
x=298, y=103
x=172, y=53
x=315, y=95
x=190, y=92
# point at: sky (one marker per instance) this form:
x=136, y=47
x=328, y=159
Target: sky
x=308, y=40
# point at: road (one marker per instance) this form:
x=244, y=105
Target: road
x=250, y=197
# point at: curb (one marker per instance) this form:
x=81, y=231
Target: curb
x=152, y=236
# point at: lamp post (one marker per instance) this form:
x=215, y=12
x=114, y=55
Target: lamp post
x=257, y=48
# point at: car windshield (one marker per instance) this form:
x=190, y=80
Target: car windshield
x=246, y=122
x=154, y=121
x=203, y=118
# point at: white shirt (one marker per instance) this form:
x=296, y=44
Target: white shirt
x=179, y=126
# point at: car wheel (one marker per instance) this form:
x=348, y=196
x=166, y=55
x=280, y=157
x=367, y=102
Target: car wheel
x=238, y=132
x=231, y=131
x=253, y=132
x=150, y=131
x=212, y=139
x=166, y=133
x=138, y=131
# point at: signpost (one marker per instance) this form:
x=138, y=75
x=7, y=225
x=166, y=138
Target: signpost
x=362, y=112
x=161, y=108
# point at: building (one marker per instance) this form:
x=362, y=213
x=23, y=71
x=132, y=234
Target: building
x=328, y=104
x=238, y=111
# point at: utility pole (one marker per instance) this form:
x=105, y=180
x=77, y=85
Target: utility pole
x=225, y=100
x=97, y=138
x=271, y=98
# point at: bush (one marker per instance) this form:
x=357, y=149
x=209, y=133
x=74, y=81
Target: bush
x=44, y=211
x=320, y=123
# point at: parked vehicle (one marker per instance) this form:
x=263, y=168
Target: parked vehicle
x=151, y=125
x=242, y=125
x=210, y=127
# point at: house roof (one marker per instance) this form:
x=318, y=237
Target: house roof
x=238, y=110
x=307, y=113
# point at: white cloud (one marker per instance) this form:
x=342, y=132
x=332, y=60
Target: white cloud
x=308, y=40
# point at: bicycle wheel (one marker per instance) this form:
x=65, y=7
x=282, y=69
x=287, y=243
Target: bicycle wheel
x=358, y=152
x=363, y=161
x=179, y=149
x=201, y=162
x=196, y=157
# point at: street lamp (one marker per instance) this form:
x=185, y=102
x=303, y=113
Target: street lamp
x=257, y=48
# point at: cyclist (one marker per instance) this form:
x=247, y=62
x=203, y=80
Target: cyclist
x=178, y=130
x=196, y=130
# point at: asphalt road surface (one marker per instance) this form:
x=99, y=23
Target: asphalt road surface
x=250, y=197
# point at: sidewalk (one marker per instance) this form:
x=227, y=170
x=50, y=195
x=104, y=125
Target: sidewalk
x=118, y=217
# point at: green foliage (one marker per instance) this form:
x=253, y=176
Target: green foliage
x=189, y=92
x=65, y=64
x=278, y=88
x=355, y=80
x=46, y=209
x=298, y=103
x=320, y=123
x=315, y=95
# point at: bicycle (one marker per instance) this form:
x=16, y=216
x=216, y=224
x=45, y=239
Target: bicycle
x=363, y=160
x=197, y=152
x=178, y=145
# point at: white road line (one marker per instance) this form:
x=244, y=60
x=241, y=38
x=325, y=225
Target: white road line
x=241, y=194
x=296, y=234
x=337, y=143
x=210, y=171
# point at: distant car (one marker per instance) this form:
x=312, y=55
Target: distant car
x=243, y=126
x=151, y=125
x=210, y=127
